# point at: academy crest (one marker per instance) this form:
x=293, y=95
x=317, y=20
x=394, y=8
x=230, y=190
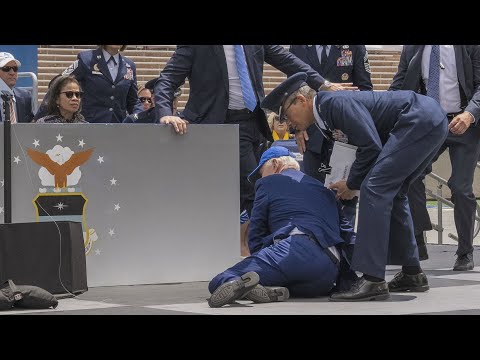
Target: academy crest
x=60, y=198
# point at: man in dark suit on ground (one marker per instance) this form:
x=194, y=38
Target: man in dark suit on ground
x=343, y=64
x=451, y=75
x=22, y=98
x=296, y=236
x=226, y=87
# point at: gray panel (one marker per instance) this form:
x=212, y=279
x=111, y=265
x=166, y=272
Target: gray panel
x=178, y=196
x=1, y=175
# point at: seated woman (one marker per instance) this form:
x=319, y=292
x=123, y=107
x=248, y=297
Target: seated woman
x=65, y=101
x=146, y=98
x=279, y=130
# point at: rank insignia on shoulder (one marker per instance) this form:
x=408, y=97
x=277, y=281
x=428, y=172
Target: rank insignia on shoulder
x=71, y=68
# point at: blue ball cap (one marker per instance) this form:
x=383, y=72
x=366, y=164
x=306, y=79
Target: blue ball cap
x=272, y=153
x=275, y=100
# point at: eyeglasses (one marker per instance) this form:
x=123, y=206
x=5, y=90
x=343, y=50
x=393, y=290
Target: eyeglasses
x=147, y=99
x=69, y=94
x=8, y=68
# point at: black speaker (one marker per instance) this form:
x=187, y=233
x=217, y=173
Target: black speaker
x=43, y=255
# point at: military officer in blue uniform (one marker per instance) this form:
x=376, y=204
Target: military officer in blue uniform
x=342, y=64
x=296, y=237
x=109, y=82
x=397, y=135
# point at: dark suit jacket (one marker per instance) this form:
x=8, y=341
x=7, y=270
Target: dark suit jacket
x=467, y=58
x=23, y=103
x=292, y=199
x=358, y=72
x=205, y=67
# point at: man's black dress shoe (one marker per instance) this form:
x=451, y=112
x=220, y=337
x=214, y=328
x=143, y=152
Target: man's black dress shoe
x=233, y=290
x=404, y=282
x=464, y=263
x=363, y=290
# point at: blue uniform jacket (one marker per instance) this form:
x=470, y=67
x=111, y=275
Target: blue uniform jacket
x=105, y=100
x=23, y=102
x=205, y=66
x=292, y=199
x=371, y=118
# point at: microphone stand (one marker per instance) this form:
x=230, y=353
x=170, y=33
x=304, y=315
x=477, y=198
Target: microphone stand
x=7, y=157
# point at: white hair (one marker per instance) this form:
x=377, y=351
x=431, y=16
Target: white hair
x=286, y=162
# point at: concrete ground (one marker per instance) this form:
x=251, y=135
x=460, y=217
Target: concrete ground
x=451, y=293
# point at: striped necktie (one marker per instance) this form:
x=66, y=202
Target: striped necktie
x=13, y=117
x=433, y=85
x=247, y=90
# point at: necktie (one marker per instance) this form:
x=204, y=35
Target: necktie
x=13, y=117
x=323, y=58
x=434, y=74
x=112, y=59
x=247, y=90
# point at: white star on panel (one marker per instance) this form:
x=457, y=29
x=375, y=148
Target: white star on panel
x=36, y=143
x=81, y=143
x=1, y=209
x=59, y=138
x=113, y=181
x=111, y=232
x=100, y=159
x=97, y=252
x=117, y=207
x=60, y=206
x=16, y=159
x=2, y=182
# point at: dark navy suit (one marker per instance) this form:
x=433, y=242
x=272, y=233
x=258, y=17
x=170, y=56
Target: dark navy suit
x=464, y=149
x=205, y=66
x=23, y=102
x=397, y=134
x=299, y=262
x=356, y=70
x=105, y=100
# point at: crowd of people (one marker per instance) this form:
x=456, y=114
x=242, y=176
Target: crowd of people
x=300, y=238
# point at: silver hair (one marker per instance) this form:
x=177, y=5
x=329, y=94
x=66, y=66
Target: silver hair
x=305, y=90
x=287, y=162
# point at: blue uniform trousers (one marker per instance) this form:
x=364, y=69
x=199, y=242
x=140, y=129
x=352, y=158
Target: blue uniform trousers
x=296, y=262
x=385, y=228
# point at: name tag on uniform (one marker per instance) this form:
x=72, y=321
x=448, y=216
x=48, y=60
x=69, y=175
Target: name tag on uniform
x=96, y=73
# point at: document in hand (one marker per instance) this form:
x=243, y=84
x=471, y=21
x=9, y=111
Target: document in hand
x=343, y=156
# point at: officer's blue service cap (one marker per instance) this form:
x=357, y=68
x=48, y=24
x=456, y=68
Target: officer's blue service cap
x=272, y=153
x=276, y=99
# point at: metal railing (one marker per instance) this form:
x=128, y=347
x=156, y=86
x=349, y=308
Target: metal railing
x=442, y=201
x=34, y=88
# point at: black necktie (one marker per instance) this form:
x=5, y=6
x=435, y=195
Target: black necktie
x=112, y=59
x=323, y=59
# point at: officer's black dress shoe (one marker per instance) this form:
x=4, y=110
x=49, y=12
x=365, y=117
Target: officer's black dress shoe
x=233, y=290
x=363, y=290
x=404, y=282
x=267, y=294
x=464, y=263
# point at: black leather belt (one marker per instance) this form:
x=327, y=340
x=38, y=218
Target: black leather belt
x=238, y=112
x=450, y=116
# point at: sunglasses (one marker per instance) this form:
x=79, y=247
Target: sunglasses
x=147, y=99
x=8, y=68
x=69, y=94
